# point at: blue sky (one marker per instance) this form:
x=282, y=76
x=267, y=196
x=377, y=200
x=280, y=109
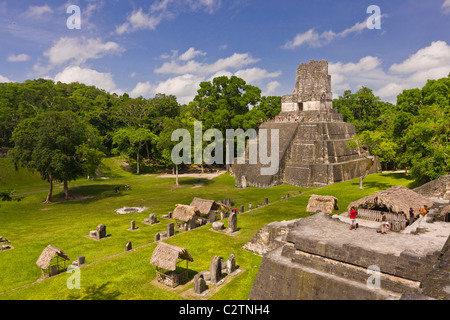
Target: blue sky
x=170, y=46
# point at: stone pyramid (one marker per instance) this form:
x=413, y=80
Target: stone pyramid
x=312, y=138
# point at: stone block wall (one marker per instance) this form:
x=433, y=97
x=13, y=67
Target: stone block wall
x=322, y=259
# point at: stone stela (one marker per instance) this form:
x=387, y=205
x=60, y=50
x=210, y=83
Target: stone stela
x=312, y=138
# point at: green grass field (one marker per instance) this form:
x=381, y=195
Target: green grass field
x=111, y=272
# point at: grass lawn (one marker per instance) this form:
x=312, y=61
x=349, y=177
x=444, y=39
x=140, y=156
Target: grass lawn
x=111, y=272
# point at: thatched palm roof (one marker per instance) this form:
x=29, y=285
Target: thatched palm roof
x=205, y=206
x=48, y=254
x=166, y=256
x=323, y=203
x=185, y=213
x=396, y=199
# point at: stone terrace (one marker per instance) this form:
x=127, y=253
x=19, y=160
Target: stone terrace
x=323, y=259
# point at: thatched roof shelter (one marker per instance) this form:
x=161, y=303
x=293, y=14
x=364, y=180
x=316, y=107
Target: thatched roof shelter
x=166, y=256
x=397, y=199
x=185, y=213
x=205, y=206
x=322, y=203
x=48, y=254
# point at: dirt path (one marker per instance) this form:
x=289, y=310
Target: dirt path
x=208, y=176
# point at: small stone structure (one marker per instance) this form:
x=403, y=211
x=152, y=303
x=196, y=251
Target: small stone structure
x=217, y=226
x=216, y=269
x=151, y=219
x=322, y=203
x=133, y=226
x=4, y=244
x=199, y=284
x=232, y=223
x=170, y=229
x=231, y=264
x=128, y=246
x=126, y=210
x=438, y=188
x=101, y=231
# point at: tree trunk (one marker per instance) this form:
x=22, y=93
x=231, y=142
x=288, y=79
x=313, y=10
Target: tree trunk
x=176, y=179
x=366, y=173
x=50, y=190
x=137, y=163
x=66, y=189
x=148, y=151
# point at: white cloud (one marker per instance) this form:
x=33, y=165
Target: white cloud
x=38, y=11
x=432, y=62
x=314, y=39
x=79, y=50
x=189, y=73
x=164, y=9
x=184, y=87
x=88, y=77
x=434, y=56
x=236, y=61
x=144, y=89
x=271, y=88
x=4, y=79
x=446, y=7
x=18, y=58
x=190, y=54
x=139, y=20
x=256, y=75
x=310, y=37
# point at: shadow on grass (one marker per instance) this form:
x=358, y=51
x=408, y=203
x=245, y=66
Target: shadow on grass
x=90, y=193
x=386, y=185
x=95, y=292
x=195, y=181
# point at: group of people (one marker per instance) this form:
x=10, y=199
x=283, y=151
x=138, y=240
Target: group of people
x=384, y=225
x=289, y=117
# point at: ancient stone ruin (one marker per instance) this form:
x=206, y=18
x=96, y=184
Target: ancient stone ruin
x=151, y=219
x=199, y=284
x=312, y=138
x=232, y=223
x=216, y=269
x=99, y=233
x=318, y=258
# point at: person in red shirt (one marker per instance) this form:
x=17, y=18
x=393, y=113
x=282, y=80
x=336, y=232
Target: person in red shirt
x=353, y=218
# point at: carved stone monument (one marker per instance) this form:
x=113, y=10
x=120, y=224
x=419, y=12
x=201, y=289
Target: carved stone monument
x=216, y=269
x=199, y=283
x=231, y=263
x=312, y=138
x=232, y=223
x=101, y=231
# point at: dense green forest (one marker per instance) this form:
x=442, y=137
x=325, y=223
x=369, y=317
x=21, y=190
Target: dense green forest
x=413, y=134
x=63, y=130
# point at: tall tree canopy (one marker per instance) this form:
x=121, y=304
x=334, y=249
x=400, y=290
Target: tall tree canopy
x=58, y=144
x=413, y=135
